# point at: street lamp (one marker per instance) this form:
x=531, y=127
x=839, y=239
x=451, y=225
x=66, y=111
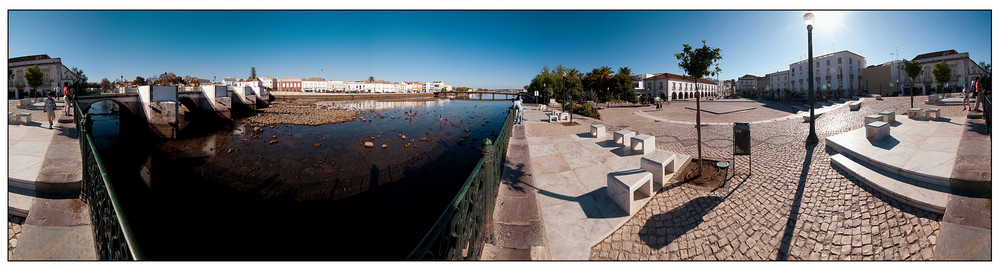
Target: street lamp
x=812, y=139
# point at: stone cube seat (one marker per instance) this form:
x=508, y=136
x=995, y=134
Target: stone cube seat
x=597, y=130
x=624, y=186
x=914, y=113
x=855, y=106
x=878, y=97
x=648, y=143
x=874, y=118
x=25, y=116
x=877, y=130
x=890, y=116
x=660, y=163
x=563, y=117
x=542, y=107
x=936, y=111
x=623, y=138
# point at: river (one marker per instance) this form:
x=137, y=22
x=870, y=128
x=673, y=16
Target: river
x=298, y=192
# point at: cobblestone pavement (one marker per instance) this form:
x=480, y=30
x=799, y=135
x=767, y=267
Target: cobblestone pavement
x=14, y=224
x=794, y=206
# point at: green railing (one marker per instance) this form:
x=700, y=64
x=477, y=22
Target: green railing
x=463, y=228
x=112, y=235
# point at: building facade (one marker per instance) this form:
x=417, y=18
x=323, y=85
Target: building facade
x=777, y=84
x=55, y=75
x=963, y=70
x=747, y=83
x=668, y=86
x=884, y=79
x=315, y=84
x=268, y=82
x=290, y=84
x=839, y=71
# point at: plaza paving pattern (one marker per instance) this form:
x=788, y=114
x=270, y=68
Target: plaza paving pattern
x=794, y=206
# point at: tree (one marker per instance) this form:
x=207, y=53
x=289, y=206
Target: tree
x=139, y=81
x=371, y=79
x=81, y=81
x=253, y=73
x=912, y=70
x=105, y=84
x=698, y=63
x=942, y=74
x=34, y=77
x=623, y=85
x=599, y=80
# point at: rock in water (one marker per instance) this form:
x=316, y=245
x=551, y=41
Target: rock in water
x=385, y=146
x=369, y=144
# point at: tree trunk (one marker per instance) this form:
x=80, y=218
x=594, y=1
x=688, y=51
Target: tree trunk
x=697, y=102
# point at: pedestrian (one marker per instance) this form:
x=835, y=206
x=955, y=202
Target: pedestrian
x=978, y=90
x=965, y=94
x=520, y=110
x=66, y=101
x=50, y=108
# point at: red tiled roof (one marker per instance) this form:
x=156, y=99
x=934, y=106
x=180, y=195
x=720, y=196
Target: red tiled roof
x=677, y=77
x=935, y=54
x=28, y=58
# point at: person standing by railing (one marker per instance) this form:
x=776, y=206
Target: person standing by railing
x=978, y=87
x=66, y=101
x=965, y=94
x=520, y=110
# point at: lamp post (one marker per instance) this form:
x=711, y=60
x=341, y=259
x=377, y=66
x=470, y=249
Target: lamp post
x=812, y=139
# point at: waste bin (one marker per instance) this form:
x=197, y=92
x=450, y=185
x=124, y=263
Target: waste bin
x=741, y=143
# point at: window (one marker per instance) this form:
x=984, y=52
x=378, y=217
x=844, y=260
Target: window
x=828, y=62
x=840, y=60
x=850, y=61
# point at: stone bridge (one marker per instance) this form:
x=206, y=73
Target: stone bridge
x=159, y=106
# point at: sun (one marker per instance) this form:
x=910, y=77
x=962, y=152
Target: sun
x=830, y=20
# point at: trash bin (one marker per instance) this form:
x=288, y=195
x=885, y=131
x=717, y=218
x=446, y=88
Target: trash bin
x=741, y=138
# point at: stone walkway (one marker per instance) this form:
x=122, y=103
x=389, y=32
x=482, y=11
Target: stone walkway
x=44, y=183
x=794, y=206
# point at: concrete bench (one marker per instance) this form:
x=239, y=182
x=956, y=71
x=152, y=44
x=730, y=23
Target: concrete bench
x=648, y=143
x=597, y=130
x=542, y=107
x=623, y=138
x=877, y=97
x=874, y=118
x=855, y=106
x=914, y=113
x=623, y=187
x=563, y=117
x=889, y=116
x=936, y=111
x=659, y=163
x=877, y=130
x=25, y=116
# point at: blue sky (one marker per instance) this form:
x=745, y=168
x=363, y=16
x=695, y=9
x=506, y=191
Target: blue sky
x=489, y=49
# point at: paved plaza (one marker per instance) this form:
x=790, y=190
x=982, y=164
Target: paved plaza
x=794, y=206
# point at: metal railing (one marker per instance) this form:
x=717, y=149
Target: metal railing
x=462, y=230
x=112, y=234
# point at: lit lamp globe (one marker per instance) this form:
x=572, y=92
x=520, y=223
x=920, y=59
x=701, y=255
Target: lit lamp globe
x=809, y=18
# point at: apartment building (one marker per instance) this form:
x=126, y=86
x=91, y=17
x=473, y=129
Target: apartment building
x=834, y=71
x=670, y=87
x=55, y=75
x=291, y=84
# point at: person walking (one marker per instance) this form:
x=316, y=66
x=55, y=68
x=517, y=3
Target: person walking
x=50, y=108
x=978, y=90
x=965, y=94
x=66, y=101
x=520, y=110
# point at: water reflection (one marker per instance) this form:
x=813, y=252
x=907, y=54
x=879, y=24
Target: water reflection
x=318, y=187
x=381, y=105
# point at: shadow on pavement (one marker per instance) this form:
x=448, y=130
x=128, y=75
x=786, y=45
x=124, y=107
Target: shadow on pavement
x=793, y=214
x=662, y=229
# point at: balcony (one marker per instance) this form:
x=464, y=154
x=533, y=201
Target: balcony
x=828, y=78
x=840, y=76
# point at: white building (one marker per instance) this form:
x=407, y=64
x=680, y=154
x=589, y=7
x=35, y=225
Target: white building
x=777, y=83
x=336, y=86
x=747, y=83
x=315, y=84
x=241, y=83
x=639, y=81
x=55, y=75
x=268, y=82
x=963, y=69
x=833, y=71
x=670, y=87
x=229, y=81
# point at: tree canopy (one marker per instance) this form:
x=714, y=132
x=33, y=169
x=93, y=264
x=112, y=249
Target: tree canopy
x=34, y=77
x=253, y=73
x=942, y=73
x=698, y=63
